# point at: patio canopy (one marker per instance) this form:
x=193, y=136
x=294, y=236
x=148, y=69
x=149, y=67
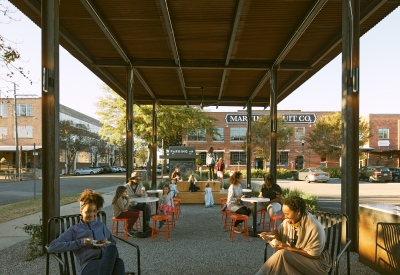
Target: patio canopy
x=227, y=47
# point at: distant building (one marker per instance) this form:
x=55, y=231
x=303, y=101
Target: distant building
x=29, y=119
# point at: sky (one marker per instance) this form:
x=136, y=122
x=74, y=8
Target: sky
x=379, y=73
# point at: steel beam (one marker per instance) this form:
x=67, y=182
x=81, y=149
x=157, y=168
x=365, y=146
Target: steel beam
x=172, y=42
x=248, y=146
x=202, y=64
x=50, y=114
x=210, y=99
x=154, y=148
x=350, y=115
x=129, y=122
x=100, y=21
x=301, y=28
x=365, y=14
x=238, y=14
x=273, y=115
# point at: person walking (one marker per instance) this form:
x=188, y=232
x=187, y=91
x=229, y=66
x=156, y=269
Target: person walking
x=210, y=161
x=220, y=172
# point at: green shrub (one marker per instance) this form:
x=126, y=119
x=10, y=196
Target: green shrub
x=311, y=200
x=35, y=242
x=282, y=173
x=334, y=172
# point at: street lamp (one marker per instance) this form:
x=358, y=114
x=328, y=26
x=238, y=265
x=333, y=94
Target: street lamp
x=302, y=152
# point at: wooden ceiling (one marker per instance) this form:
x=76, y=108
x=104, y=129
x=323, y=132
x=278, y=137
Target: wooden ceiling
x=227, y=47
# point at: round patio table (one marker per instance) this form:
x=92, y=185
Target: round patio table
x=144, y=200
x=157, y=192
x=255, y=200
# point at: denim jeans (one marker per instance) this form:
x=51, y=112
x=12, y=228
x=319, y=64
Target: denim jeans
x=108, y=264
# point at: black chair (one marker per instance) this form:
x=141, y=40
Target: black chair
x=387, y=250
x=337, y=242
x=66, y=260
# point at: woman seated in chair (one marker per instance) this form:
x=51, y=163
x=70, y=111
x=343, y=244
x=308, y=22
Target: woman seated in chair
x=91, y=258
x=299, y=241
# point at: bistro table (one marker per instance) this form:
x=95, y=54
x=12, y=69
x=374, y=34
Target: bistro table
x=157, y=192
x=255, y=200
x=144, y=200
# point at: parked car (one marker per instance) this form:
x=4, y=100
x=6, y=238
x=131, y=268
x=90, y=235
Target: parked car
x=311, y=174
x=395, y=173
x=375, y=173
x=122, y=168
x=115, y=169
x=86, y=171
x=106, y=169
x=98, y=167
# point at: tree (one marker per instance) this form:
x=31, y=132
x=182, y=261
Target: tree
x=172, y=121
x=325, y=139
x=74, y=138
x=8, y=53
x=260, y=137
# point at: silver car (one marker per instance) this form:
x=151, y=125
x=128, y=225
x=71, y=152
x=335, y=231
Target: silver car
x=86, y=171
x=312, y=174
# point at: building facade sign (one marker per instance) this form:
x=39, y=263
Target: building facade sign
x=182, y=150
x=289, y=118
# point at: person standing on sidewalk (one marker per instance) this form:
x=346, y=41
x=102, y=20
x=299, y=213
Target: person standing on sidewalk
x=120, y=205
x=210, y=161
x=220, y=172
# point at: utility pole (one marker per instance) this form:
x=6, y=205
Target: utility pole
x=17, y=176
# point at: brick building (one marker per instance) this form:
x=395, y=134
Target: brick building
x=385, y=143
x=29, y=120
x=233, y=126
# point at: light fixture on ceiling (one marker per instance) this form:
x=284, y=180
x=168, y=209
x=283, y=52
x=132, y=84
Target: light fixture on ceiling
x=202, y=103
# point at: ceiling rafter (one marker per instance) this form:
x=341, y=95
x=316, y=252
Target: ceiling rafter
x=201, y=64
x=364, y=15
x=238, y=14
x=172, y=42
x=36, y=7
x=301, y=28
x=96, y=16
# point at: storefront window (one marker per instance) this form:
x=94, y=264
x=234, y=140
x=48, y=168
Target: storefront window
x=238, y=156
x=238, y=133
x=283, y=158
x=383, y=133
x=197, y=135
x=219, y=137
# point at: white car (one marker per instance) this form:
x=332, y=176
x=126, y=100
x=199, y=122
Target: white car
x=311, y=174
x=115, y=169
x=86, y=171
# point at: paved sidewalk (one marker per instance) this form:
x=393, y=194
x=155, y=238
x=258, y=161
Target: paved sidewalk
x=10, y=236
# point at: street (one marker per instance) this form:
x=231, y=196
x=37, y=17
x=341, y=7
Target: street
x=11, y=192
x=328, y=193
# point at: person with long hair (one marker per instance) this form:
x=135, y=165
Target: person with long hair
x=234, y=201
x=91, y=258
x=208, y=196
x=136, y=190
x=166, y=202
x=210, y=162
x=299, y=241
x=120, y=205
x=272, y=191
x=220, y=172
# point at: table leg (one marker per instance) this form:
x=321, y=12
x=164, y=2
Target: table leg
x=254, y=233
x=144, y=217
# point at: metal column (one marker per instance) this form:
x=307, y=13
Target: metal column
x=154, y=147
x=350, y=115
x=273, y=121
x=50, y=114
x=248, y=146
x=129, y=122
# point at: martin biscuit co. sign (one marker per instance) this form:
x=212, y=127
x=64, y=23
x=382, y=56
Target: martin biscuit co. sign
x=289, y=118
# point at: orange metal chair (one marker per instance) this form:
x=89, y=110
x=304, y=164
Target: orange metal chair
x=262, y=218
x=239, y=217
x=273, y=221
x=115, y=227
x=138, y=222
x=158, y=232
x=177, y=207
x=227, y=222
x=172, y=214
x=223, y=202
